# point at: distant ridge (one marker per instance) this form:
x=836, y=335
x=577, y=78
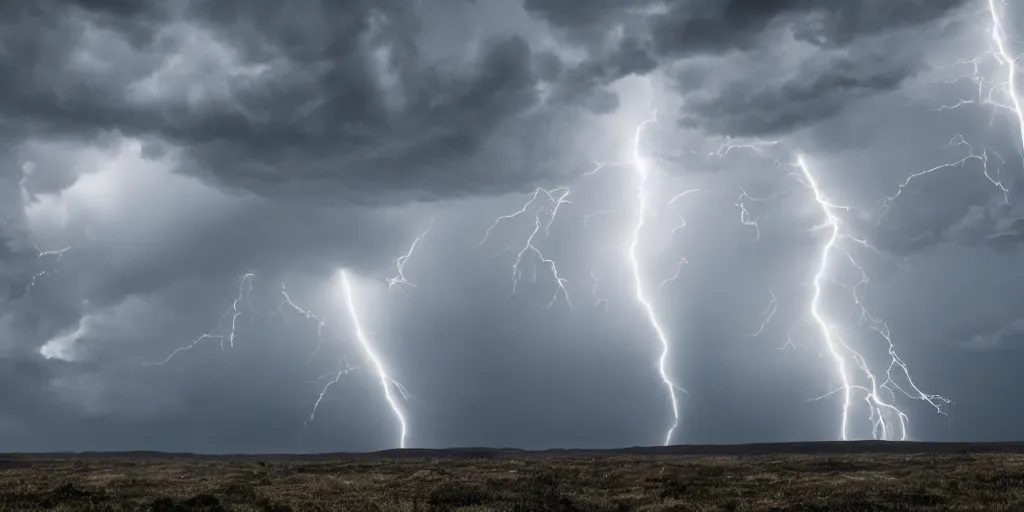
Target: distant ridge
x=731, y=450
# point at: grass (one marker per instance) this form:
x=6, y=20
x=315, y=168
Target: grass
x=516, y=481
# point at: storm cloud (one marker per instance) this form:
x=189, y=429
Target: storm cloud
x=211, y=166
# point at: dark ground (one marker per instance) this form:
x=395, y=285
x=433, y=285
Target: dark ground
x=855, y=476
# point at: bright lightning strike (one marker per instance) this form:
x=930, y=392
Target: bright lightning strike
x=884, y=414
x=643, y=209
x=1000, y=94
x=244, y=289
x=387, y=383
x=556, y=197
x=1000, y=40
x=399, y=279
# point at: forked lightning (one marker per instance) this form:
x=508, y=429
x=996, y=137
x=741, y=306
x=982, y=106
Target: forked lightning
x=399, y=280
x=386, y=382
x=887, y=421
x=1001, y=42
x=556, y=198
x=643, y=209
x=216, y=334
x=40, y=254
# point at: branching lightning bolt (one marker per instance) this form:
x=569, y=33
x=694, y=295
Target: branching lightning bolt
x=244, y=289
x=344, y=369
x=399, y=280
x=556, y=197
x=387, y=383
x=1002, y=51
x=643, y=173
x=982, y=158
x=745, y=217
x=988, y=91
x=40, y=254
x=286, y=301
x=841, y=352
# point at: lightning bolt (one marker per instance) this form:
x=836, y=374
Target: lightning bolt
x=1002, y=53
x=745, y=217
x=643, y=208
x=982, y=158
x=386, y=382
x=767, y=314
x=233, y=312
x=1001, y=95
x=679, y=270
x=841, y=352
x=40, y=254
x=399, y=280
x=345, y=369
x=755, y=145
x=556, y=197
x=286, y=301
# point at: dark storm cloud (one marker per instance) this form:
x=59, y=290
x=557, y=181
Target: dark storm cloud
x=819, y=89
x=590, y=20
x=995, y=223
x=858, y=53
x=293, y=100
x=712, y=26
x=587, y=83
x=281, y=97
x=589, y=25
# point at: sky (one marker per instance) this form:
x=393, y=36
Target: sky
x=557, y=222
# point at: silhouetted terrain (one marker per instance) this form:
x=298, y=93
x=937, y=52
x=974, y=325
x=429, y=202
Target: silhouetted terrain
x=854, y=476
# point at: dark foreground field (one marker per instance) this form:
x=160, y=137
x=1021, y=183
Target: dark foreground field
x=803, y=477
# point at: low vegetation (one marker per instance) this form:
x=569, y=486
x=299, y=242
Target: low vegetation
x=515, y=482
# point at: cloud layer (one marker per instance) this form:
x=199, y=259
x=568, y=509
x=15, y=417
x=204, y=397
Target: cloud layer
x=175, y=147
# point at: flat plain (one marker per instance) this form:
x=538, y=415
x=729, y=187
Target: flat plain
x=854, y=476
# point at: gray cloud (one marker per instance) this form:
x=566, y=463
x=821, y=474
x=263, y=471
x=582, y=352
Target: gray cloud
x=587, y=83
x=590, y=22
x=1010, y=333
x=177, y=146
x=260, y=101
x=837, y=55
x=817, y=89
x=691, y=28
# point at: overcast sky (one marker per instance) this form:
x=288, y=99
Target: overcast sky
x=174, y=148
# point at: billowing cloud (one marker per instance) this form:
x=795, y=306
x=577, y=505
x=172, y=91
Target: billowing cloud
x=717, y=27
x=258, y=100
x=794, y=63
x=175, y=147
x=817, y=89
